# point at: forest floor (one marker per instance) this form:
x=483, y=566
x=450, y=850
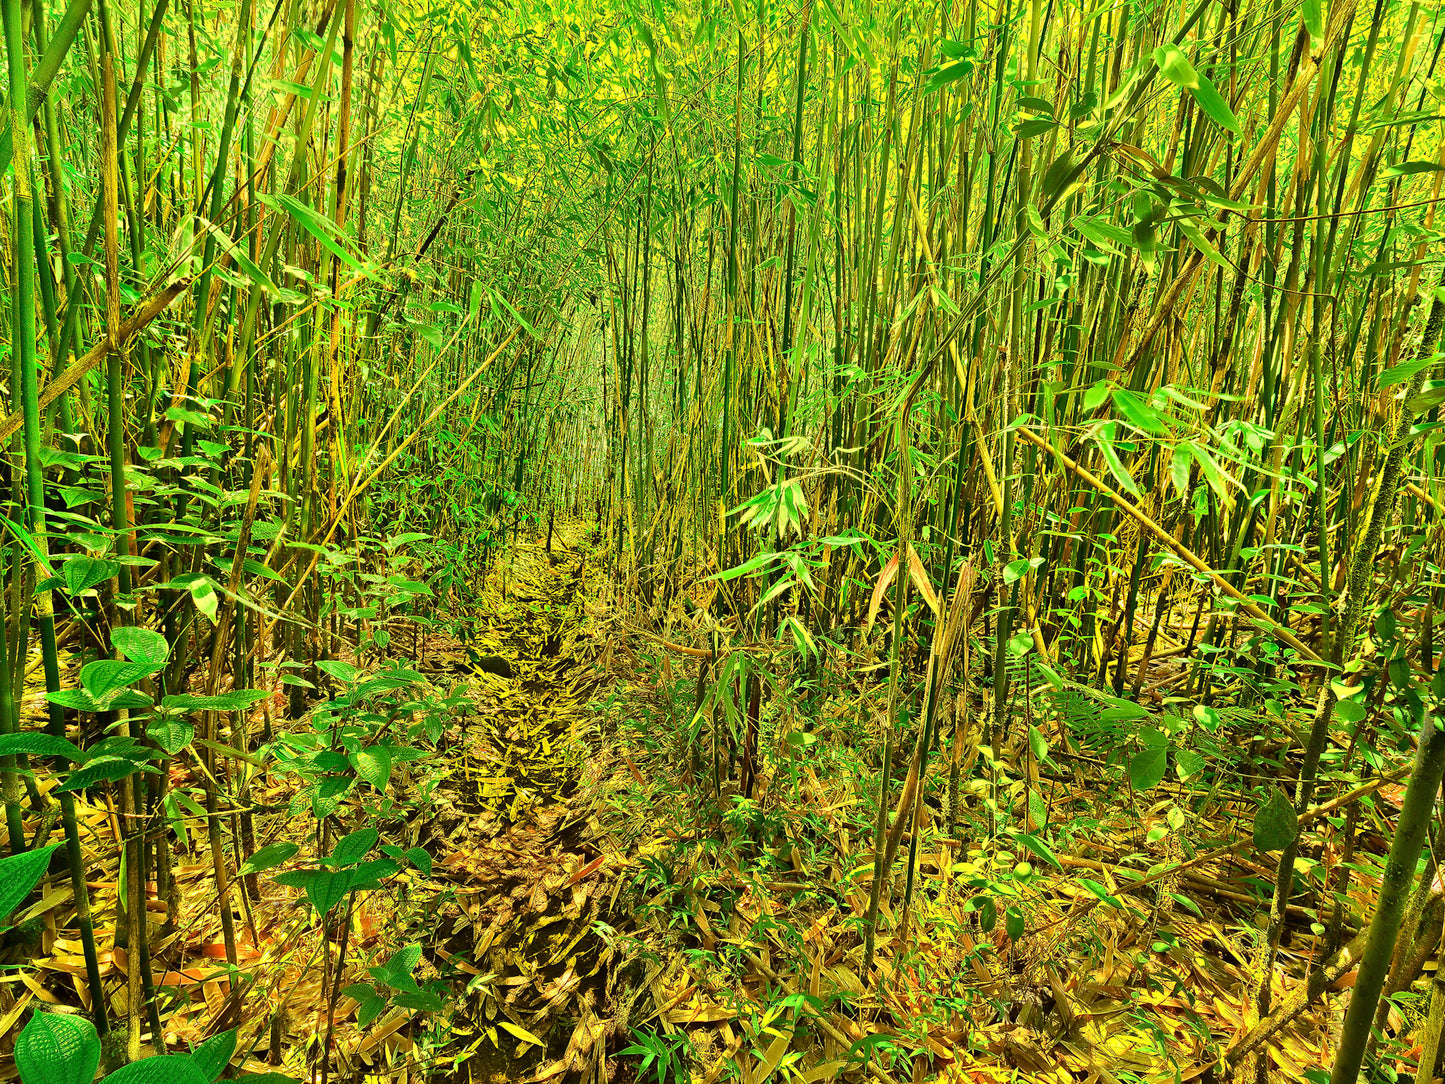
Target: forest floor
x=588, y=910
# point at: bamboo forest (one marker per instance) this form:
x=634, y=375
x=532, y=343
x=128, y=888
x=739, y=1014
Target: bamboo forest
x=683, y=541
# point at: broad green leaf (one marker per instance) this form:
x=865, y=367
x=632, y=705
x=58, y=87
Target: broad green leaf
x=101, y=769
x=351, y=849
x=171, y=733
x=268, y=857
x=213, y=1055
x=371, y=874
x=370, y=1009
x=323, y=887
x=1014, y=922
x=104, y=677
x=37, y=743
x=141, y=645
x=1017, y=570
x=421, y=859
x=1147, y=767
x=1121, y=712
x=1276, y=824
x=239, y=700
x=1188, y=762
x=373, y=764
x=81, y=572
x=426, y=1001
x=1059, y=179
x=18, y=875
x=57, y=1048
x=342, y=672
x=165, y=1069
x=329, y=794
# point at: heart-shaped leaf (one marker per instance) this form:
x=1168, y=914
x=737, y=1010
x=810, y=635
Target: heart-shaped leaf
x=80, y=573
x=105, y=677
x=171, y=733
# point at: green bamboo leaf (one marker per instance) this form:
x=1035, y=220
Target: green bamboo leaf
x=1312, y=15
x=1190, y=229
x=317, y=225
x=1175, y=67
x=1105, y=438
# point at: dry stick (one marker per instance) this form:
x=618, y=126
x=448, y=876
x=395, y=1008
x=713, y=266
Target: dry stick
x=1177, y=547
x=1319, y=980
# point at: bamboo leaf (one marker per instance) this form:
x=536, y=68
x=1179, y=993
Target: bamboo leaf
x=1175, y=67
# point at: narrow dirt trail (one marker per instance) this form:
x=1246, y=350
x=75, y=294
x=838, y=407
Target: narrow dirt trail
x=518, y=844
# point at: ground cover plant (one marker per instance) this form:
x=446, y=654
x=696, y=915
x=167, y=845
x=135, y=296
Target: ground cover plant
x=694, y=542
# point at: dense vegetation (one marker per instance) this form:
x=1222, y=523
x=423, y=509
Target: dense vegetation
x=912, y=532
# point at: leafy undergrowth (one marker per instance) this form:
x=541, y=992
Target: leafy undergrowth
x=1065, y=927
x=555, y=875
x=447, y=841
